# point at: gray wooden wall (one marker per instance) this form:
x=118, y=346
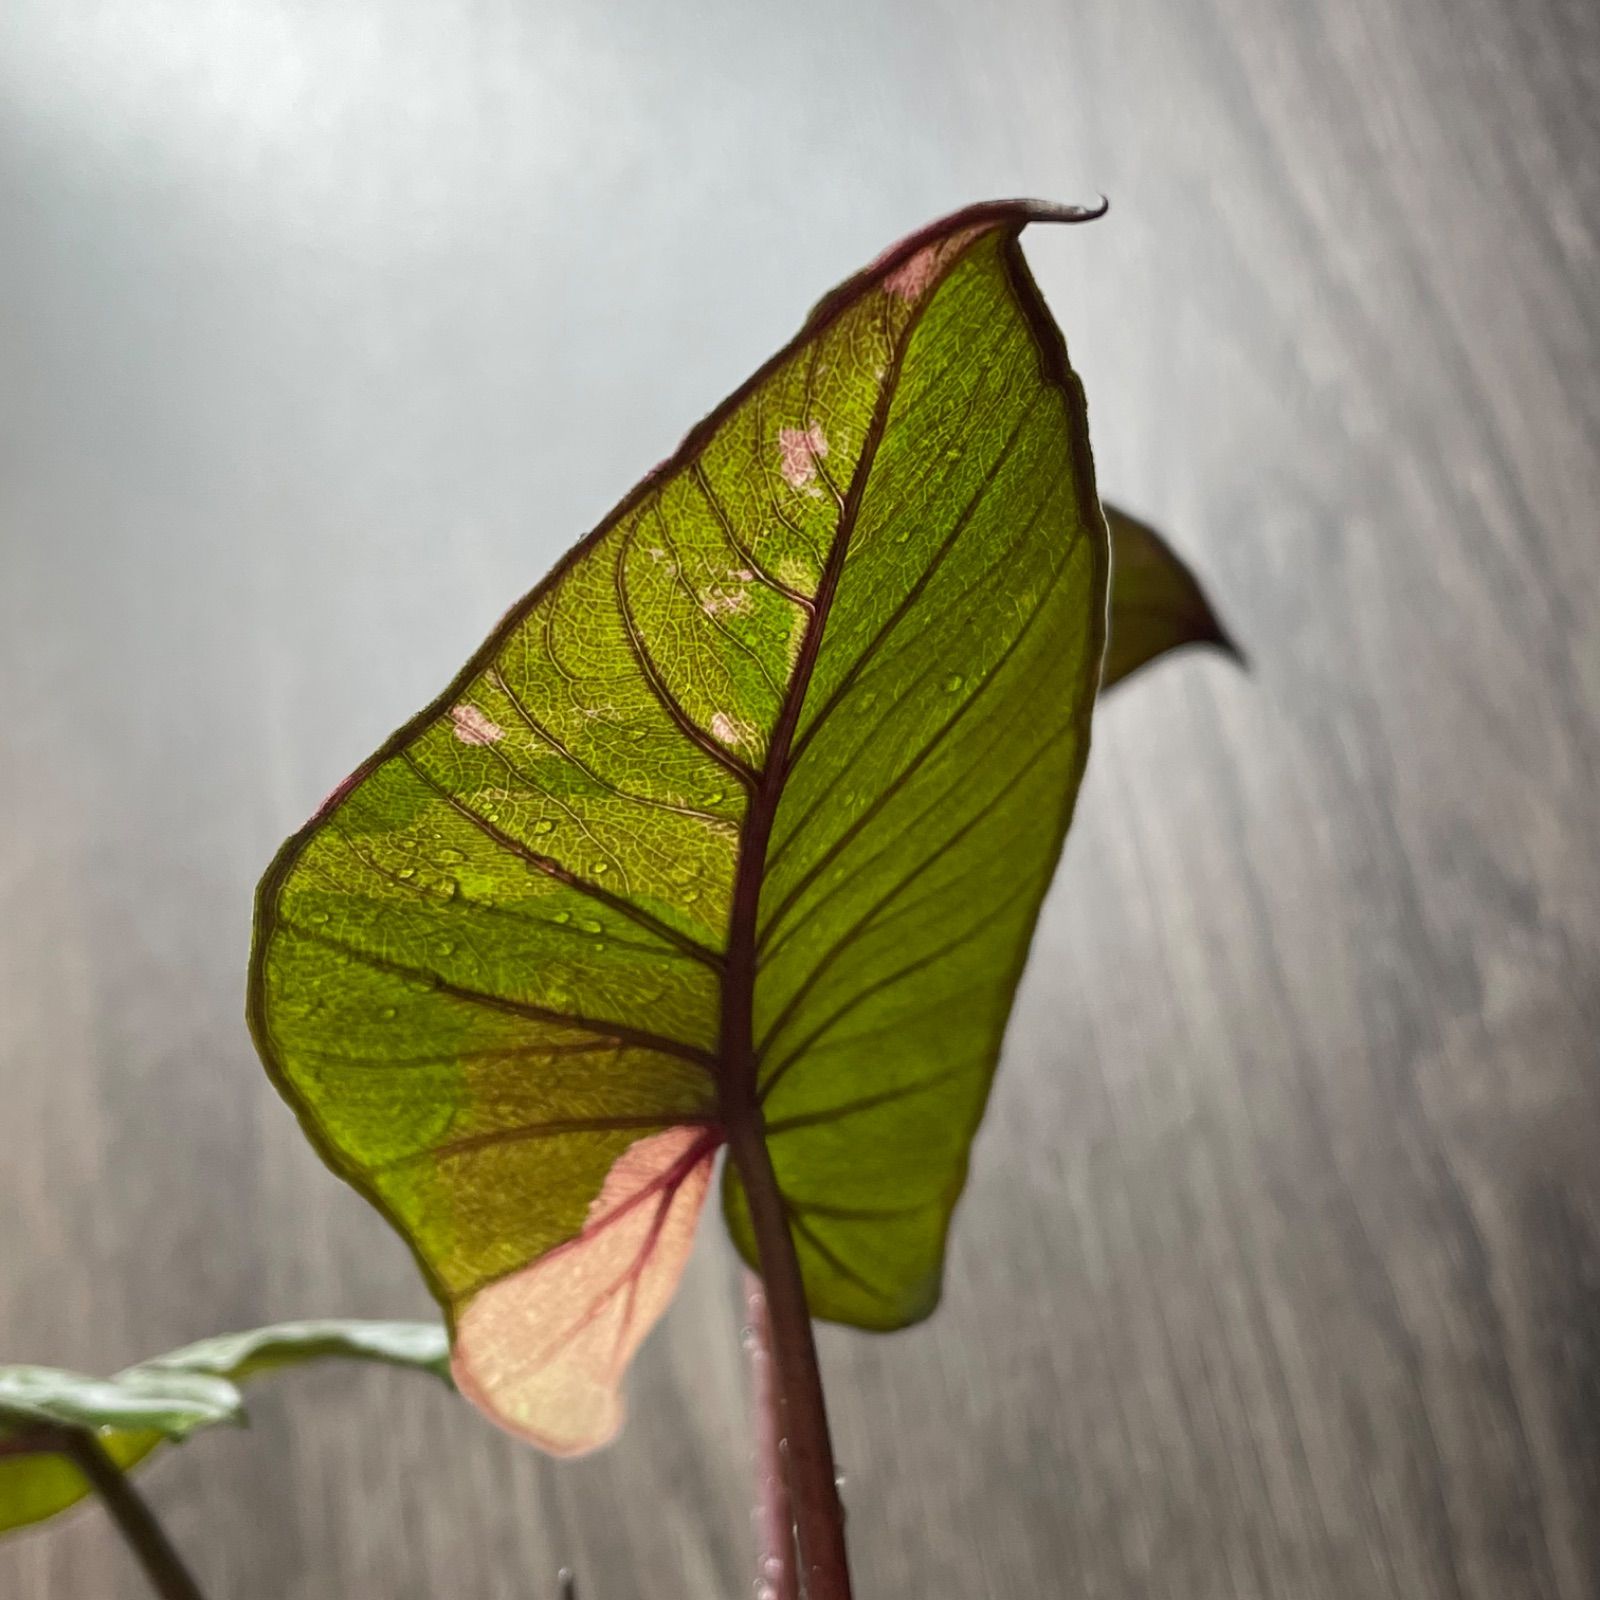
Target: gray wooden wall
x=324, y=328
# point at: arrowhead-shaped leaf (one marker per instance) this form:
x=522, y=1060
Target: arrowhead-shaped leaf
x=1157, y=603
x=751, y=803
x=166, y=1399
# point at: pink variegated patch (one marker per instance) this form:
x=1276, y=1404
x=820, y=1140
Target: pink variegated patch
x=799, y=450
x=473, y=727
x=909, y=281
x=543, y=1351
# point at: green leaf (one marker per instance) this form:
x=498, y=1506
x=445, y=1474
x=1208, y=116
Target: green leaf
x=752, y=800
x=172, y=1404
x=1157, y=603
x=166, y=1399
x=37, y=1485
x=240, y=1356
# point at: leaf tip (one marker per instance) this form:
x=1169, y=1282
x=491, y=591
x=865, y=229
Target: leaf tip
x=1056, y=211
x=1225, y=642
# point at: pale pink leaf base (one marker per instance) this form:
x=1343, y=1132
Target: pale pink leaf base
x=543, y=1351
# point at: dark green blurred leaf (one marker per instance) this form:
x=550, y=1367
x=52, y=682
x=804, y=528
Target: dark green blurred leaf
x=166, y=1399
x=1157, y=603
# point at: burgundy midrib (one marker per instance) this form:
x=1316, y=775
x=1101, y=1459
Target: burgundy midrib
x=736, y=1063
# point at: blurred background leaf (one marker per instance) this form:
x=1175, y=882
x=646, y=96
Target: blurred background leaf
x=169, y=1397
x=1157, y=604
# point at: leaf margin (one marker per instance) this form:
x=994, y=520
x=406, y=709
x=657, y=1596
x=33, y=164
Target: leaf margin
x=1050, y=345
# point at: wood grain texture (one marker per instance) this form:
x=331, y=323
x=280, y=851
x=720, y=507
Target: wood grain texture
x=1279, y=1274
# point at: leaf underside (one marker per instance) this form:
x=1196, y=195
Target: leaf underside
x=166, y=1399
x=755, y=797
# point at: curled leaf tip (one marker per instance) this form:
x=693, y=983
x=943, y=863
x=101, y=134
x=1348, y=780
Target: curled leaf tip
x=1047, y=211
x=912, y=263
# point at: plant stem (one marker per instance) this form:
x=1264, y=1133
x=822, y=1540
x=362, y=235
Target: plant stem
x=776, y=1575
x=819, y=1518
x=134, y=1519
